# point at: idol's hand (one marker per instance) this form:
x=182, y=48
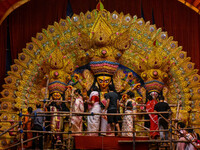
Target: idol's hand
x=130, y=75
x=76, y=76
x=136, y=86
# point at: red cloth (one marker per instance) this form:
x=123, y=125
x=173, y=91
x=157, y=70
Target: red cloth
x=3, y=45
x=95, y=98
x=109, y=142
x=153, y=118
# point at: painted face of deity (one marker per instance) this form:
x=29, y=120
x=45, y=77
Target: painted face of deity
x=103, y=81
x=56, y=96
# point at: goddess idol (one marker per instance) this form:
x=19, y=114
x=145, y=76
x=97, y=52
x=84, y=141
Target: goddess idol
x=57, y=75
x=103, y=50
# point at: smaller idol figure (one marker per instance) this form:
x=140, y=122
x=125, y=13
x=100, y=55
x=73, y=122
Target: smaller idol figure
x=55, y=105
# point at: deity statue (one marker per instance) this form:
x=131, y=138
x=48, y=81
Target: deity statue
x=57, y=90
x=56, y=122
x=104, y=50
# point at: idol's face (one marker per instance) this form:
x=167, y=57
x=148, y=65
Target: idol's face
x=56, y=96
x=103, y=81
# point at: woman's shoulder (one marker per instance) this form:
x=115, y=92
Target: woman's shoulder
x=80, y=98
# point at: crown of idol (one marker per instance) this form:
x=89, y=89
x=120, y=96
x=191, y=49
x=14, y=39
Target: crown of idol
x=103, y=45
x=57, y=86
x=58, y=70
x=154, y=71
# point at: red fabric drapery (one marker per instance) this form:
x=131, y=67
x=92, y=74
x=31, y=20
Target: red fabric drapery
x=3, y=43
x=6, y=7
x=30, y=18
x=178, y=20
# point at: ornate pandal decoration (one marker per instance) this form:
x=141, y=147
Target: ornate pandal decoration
x=104, y=41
